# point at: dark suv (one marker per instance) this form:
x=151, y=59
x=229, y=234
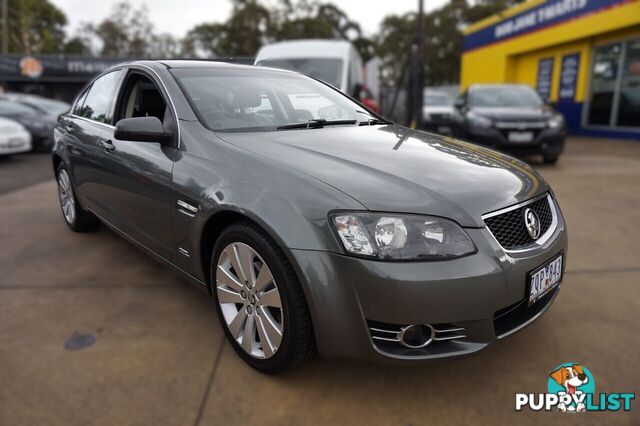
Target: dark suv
x=512, y=118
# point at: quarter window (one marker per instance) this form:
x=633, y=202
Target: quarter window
x=98, y=100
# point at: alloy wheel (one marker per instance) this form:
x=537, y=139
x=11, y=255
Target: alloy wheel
x=249, y=300
x=67, y=200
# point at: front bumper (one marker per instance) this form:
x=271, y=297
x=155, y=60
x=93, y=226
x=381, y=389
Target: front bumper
x=545, y=141
x=480, y=293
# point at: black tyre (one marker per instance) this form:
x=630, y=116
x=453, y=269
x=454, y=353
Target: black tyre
x=259, y=300
x=78, y=219
x=550, y=158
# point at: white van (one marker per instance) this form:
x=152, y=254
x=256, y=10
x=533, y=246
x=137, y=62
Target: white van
x=332, y=61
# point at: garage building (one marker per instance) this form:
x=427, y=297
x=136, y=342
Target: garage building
x=582, y=56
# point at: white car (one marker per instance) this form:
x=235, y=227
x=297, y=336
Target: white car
x=14, y=138
x=438, y=112
x=332, y=61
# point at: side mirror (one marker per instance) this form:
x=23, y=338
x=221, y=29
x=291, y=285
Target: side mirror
x=141, y=129
x=459, y=103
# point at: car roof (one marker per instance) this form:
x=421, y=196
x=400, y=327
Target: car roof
x=198, y=63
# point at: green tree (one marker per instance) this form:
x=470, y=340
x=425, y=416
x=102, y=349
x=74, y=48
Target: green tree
x=252, y=25
x=35, y=27
x=444, y=38
x=242, y=35
x=128, y=33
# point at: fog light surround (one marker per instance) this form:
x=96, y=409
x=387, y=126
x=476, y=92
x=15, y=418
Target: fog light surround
x=417, y=336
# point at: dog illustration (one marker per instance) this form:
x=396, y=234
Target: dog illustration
x=570, y=377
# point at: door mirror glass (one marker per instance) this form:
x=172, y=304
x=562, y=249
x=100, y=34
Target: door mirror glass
x=141, y=129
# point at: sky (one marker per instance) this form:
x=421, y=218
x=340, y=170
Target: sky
x=177, y=20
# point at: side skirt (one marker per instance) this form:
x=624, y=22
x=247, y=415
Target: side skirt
x=175, y=269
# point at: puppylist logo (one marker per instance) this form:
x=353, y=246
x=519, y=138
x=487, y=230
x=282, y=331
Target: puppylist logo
x=571, y=388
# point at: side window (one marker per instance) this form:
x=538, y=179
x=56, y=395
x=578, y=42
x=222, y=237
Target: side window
x=142, y=98
x=98, y=99
x=77, y=108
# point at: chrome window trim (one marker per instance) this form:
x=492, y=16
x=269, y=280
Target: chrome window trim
x=542, y=240
x=109, y=126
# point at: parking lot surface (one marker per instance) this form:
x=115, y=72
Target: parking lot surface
x=94, y=332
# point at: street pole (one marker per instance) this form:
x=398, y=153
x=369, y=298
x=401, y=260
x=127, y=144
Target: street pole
x=415, y=83
x=5, y=27
x=418, y=95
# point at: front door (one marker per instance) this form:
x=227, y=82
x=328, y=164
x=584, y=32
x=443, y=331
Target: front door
x=138, y=177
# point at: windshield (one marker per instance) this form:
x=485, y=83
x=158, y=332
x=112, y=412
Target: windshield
x=260, y=100
x=10, y=107
x=328, y=70
x=504, y=96
x=438, y=99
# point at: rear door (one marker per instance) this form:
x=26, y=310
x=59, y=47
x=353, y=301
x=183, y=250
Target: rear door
x=84, y=128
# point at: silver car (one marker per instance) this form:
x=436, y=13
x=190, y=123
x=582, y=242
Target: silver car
x=313, y=223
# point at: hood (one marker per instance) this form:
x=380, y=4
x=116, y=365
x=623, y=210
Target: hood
x=391, y=168
x=515, y=114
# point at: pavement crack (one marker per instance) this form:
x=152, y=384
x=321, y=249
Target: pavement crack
x=205, y=397
x=603, y=271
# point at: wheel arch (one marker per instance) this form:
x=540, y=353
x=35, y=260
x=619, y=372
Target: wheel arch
x=56, y=160
x=218, y=222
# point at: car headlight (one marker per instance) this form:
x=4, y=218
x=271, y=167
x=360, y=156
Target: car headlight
x=556, y=121
x=479, y=120
x=387, y=236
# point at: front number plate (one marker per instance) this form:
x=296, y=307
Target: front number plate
x=544, y=279
x=521, y=137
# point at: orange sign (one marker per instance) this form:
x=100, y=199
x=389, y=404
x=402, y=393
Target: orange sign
x=31, y=67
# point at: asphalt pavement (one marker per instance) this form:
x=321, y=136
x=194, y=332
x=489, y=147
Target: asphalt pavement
x=19, y=171
x=94, y=332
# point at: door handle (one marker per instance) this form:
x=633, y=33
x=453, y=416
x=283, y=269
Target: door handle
x=107, y=145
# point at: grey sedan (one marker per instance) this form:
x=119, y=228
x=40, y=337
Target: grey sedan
x=314, y=224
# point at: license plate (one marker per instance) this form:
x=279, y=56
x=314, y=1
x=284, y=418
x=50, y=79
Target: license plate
x=544, y=279
x=521, y=137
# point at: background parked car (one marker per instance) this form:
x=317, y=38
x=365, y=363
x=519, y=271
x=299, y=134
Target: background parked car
x=47, y=106
x=14, y=138
x=510, y=117
x=39, y=125
x=335, y=62
x=437, y=112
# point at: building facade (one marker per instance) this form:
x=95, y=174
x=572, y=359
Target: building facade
x=582, y=56
x=54, y=76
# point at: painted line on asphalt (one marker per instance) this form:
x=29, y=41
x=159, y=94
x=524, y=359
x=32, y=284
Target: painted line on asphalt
x=81, y=286
x=205, y=397
x=603, y=271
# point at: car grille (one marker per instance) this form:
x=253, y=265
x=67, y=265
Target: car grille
x=509, y=228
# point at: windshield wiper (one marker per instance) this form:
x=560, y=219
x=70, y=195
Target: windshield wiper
x=373, y=122
x=316, y=123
